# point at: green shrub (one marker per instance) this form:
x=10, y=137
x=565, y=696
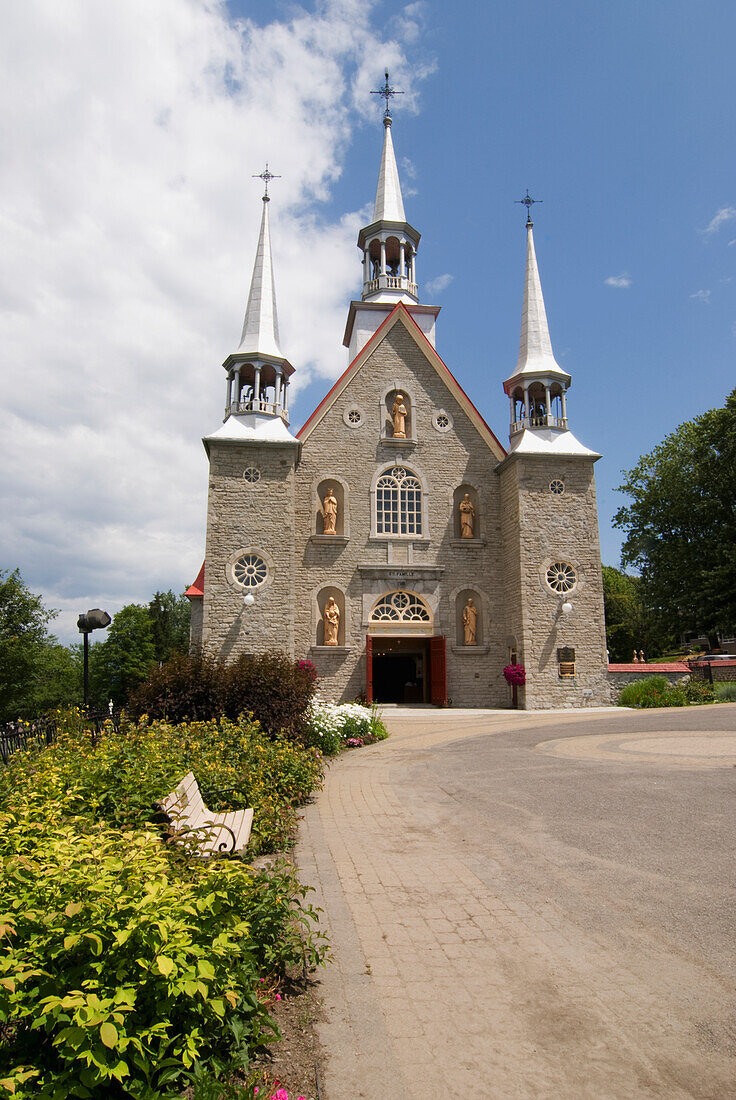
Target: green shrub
x=128, y=968
x=657, y=692
x=644, y=693
x=725, y=692
x=271, y=687
x=120, y=780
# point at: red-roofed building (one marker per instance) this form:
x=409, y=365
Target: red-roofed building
x=393, y=540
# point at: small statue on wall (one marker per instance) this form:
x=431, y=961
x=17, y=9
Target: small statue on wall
x=331, y=621
x=470, y=623
x=329, y=512
x=467, y=518
x=399, y=415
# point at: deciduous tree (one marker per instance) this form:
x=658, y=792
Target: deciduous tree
x=23, y=634
x=681, y=524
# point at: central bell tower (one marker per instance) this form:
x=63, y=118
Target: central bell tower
x=389, y=248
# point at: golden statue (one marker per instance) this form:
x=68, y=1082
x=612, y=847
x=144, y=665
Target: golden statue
x=331, y=621
x=467, y=518
x=399, y=415
x=329, y=512
x=470, y=623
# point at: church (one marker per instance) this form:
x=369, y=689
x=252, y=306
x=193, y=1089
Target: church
x=393, y=540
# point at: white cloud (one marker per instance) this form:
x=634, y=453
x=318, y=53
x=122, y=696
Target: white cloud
x=701, y=295
x=436, y=286
x=731, y=243
x=129, y=223
x=623, y=280
x=725, y=214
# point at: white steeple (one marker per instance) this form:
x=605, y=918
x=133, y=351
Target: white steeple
x=257, y=372
x=261, y=324
x=537, y=389
x=389, y=244
x=389, y=205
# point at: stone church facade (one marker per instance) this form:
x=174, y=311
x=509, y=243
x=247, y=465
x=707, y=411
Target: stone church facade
x=393, y=540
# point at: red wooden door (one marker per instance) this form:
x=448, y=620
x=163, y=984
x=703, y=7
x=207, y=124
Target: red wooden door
x=369, y=668
x=437, y=671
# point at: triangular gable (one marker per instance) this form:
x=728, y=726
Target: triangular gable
x=400, y=313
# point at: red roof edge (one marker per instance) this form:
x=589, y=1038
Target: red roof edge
x=637, y=666
x=347, y=370
x=196, y=590
x=399, y=306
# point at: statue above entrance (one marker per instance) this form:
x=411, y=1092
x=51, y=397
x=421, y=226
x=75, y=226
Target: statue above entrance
x=331, y=621
x=470, y=622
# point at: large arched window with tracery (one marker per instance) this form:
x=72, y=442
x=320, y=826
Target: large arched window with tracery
x=401, y=607
x=398, y=503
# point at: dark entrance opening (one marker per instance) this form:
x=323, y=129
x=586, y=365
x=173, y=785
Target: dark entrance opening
x=400, y=670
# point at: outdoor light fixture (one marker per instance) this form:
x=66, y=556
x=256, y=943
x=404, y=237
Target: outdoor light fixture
x=95, y=619
x=249, y=599
x=566, y=607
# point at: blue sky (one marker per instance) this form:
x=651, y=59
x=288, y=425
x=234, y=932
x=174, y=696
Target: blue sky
x=131, y=216
x=620, y=118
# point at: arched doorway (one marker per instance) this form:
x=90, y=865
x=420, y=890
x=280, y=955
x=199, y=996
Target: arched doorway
x=405, y=662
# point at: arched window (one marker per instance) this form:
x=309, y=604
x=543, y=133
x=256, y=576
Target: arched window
x=398, y=503
x=400, y=607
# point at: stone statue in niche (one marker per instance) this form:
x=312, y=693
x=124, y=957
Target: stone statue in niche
x=467, y=518
x=399, y=415
x=470, y=623
x=329, y=512
x=331, y=621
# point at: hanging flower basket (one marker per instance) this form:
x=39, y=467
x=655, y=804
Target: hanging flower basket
x=515, y=675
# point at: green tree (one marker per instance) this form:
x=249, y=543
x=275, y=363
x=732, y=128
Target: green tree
x=125, y=658
x=57, y=680
x=681, y=523
x=630, y=624
x=170, y=624
x=23, y=634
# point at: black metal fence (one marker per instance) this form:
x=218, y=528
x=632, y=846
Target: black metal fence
x=42, y=731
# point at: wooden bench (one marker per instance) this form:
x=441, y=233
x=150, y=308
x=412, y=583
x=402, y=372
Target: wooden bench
x=212, y=833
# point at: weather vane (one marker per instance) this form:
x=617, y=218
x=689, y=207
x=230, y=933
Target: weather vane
x=528, y=202
x=266, y=176
x=387, y=92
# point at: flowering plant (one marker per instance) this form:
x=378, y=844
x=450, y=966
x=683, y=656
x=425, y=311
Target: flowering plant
x=515, y=674
x=332, y=726
x=308, y=667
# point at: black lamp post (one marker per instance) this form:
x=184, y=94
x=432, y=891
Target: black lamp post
x=95, y=619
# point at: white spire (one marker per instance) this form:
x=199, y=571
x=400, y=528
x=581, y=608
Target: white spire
x=261, y=326
x=535, y=347
x=389, y=204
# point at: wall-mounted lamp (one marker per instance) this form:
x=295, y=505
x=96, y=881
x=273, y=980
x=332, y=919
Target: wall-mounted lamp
x=566, y=607
x=248, y=599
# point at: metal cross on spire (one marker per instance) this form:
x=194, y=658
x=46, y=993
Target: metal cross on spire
x=528, y=202
x=266, y=176
x=387, y=92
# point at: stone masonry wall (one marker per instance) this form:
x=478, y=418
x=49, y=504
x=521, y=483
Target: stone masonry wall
x=244, y=517
x=443, y=461
x=552, y=528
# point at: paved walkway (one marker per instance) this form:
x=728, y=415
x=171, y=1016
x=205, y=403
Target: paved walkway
x=527, y=906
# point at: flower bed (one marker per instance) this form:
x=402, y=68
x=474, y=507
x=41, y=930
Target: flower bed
x=127, y=968
x=332, y=727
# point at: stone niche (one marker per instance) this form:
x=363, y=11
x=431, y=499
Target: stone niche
x=322, y=598
x=388, y=427
x=458, y=497
x=338, y=490
x=460, y=601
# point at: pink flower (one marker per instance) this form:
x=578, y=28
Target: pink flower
x=278, y=998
